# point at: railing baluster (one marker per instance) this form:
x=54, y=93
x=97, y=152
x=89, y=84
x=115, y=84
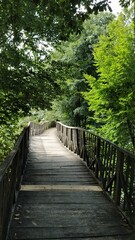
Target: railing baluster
x=77, y=142
x=119, y=169
x=1, y=209
x=97, y=157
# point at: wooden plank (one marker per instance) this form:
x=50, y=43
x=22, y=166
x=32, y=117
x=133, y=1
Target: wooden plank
x=56, y=168
x=68, y=232
x=126, y=237
x=61, y=171
x=67, y=197
x=57, y=183
x=46, y=165
x=61, y=215
x=57, y=178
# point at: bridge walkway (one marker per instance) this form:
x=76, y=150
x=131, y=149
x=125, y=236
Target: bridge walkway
x=60, y=199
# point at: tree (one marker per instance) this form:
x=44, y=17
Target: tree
x=26, y=25
x=71, y=60
x=27, y=29
x=112, y=95
x=25, y=82
x=126, y=3
x=51, y=19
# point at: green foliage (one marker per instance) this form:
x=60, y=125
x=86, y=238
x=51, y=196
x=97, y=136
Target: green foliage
x=10, y=131
x=57, y=111
x=51, y=19
x=126, y=3
x=8, y=136
x=71, y=60
x=23, y=87
x=28, y=80
x=112, y=95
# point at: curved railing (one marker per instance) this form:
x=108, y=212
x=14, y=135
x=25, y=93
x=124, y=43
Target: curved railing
x=11, y=172
x=37, y=128
x=113, y=167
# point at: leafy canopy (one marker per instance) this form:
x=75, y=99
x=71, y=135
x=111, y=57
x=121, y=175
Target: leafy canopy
x=27, y=29
x=112, y=95
x=70, y=61
x=24, y=26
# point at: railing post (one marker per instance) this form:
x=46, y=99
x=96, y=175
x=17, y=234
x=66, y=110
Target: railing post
x=97, y=157
x=66, y=137
x=83, y=147
x=133, y=166
x=1, y=212
x=77, y=141
x=71, y=140
x=119, y=170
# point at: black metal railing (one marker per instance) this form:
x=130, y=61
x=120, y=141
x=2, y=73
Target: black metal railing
x=113, y=166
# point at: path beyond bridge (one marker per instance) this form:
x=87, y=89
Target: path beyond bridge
x=60, y=199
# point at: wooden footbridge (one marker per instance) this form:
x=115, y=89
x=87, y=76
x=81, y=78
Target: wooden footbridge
x=48, y=192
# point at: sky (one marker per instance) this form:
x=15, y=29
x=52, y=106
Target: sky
x=115, y=6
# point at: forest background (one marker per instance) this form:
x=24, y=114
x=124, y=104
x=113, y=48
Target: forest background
x=67, y=60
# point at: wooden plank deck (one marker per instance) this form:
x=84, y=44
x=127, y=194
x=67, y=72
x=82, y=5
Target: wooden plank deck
x=60, y=199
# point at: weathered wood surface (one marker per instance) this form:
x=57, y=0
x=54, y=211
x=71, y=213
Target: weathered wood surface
x=60, y=199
